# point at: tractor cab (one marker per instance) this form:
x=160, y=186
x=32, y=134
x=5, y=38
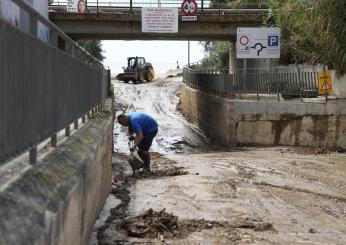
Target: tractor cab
x=135, y=62
x=137, y=70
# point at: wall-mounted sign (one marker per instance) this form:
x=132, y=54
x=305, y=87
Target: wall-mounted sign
x=325, y=83
x=161, y=20
x=189, y=7
x=77, y=6
x=257, y=43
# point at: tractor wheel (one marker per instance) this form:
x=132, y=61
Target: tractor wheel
x=141, y=77
x=150, y=75
x=126, y=81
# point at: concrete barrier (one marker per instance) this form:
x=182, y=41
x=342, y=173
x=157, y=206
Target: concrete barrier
x=57, y=201
x=232, y=122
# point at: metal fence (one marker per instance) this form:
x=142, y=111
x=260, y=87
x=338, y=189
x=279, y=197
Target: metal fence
x=288, y=83
x=133, y=3
x=204, y=6
x=43, y=89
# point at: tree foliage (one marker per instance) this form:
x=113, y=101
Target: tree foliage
x=93, y=47
x=216, y=55
x=312, y=31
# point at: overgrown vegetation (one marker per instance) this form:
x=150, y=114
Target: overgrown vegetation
x=312, y=32
x=94, y=47
x=217, y=55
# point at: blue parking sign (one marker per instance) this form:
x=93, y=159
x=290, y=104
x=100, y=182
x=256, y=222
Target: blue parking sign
x=273, y=41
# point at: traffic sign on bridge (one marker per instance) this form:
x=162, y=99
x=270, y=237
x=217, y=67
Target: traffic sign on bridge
x=189, y=7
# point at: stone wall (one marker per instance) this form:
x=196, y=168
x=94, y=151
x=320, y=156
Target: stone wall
x=232, y=122
x=58, y=200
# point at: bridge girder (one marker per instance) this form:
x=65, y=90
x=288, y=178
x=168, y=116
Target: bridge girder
x=121, y=26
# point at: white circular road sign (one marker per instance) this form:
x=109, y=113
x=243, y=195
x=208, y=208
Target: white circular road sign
x=189, y=7
x=244, y=40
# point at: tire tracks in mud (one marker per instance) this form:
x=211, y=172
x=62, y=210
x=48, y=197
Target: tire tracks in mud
x=334, y=206
x=296, y=189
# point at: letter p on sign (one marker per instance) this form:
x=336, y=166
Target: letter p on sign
x=273, y=41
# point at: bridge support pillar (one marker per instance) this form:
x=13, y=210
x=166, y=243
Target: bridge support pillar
x=245, y=65
x=234, y=63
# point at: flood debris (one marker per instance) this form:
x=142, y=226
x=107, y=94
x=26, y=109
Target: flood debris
x=168, y=172
x=312, y=150
x=255, y=224
x=152, y=224
x=312, y=230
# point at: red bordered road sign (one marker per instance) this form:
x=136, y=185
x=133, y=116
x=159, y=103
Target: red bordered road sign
x=244, y=40
x=189, y=7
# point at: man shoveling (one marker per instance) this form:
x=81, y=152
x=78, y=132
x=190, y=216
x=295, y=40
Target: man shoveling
x=145, y=127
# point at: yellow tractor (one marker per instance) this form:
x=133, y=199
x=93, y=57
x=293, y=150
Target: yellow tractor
x=137, y=70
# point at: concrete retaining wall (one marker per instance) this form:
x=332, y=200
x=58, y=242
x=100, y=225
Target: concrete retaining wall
x=57, y=201
x=231, y=122
x=339, y=85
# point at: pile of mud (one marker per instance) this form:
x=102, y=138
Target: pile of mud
x=161, y=224
x=161, y=167
x=168, y=172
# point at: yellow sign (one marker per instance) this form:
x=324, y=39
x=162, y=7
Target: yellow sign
x=325, y=84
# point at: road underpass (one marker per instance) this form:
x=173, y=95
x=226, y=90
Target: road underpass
x=200, y=190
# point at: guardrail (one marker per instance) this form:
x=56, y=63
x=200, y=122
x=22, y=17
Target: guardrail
x=253, y=81
x=44, y=87
x=204, y=6
x=135, y=3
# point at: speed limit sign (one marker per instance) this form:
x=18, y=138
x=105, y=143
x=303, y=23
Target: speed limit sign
x=189, y=7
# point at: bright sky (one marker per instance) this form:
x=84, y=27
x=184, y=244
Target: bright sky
x=162, y=54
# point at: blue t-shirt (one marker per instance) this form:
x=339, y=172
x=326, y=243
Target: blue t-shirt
x=141, y=122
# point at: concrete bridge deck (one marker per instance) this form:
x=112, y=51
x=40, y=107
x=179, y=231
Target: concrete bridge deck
x=122, y=25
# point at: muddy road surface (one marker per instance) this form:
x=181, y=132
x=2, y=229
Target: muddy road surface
x=199, y=193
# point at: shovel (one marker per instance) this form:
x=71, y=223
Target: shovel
x=134, y=159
